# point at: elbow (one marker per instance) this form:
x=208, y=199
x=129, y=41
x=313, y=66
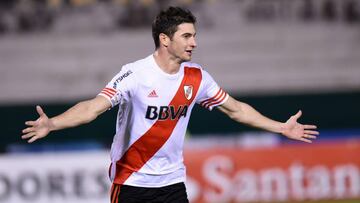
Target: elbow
x=233, y=116
x=238, y=114
x=90, y=118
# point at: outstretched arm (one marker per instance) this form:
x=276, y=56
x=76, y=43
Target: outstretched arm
x=81, y=113
x=244, y=113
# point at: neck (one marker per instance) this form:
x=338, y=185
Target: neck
x=166, y=63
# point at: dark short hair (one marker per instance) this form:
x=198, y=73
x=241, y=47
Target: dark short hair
x=167, y=21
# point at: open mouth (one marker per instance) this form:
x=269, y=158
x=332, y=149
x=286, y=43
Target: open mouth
x=189, y=51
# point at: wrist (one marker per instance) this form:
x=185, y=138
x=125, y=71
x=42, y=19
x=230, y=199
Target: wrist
x=52, y=126
x=282, y=128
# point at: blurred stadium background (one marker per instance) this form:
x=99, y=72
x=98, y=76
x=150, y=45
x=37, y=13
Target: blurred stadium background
x=278, y=55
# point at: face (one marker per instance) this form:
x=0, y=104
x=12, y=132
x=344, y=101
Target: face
x=182, y=44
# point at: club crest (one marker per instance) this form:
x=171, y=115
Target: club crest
x=188, y=89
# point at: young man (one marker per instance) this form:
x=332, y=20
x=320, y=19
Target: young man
x=155, y=97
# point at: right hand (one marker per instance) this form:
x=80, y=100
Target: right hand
x=37, y=129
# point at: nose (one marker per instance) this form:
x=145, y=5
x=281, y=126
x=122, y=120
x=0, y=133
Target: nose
x=193, y=43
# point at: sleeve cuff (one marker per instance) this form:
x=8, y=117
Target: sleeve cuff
x=220, y=97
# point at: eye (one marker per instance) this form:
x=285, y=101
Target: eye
x=187, y=35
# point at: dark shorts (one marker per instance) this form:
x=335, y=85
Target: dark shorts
x=129, y=194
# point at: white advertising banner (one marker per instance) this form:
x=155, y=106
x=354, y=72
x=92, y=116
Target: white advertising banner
x=75, y=177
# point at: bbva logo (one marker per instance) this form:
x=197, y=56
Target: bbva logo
x=166, y=112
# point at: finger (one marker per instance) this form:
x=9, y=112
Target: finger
x=39, y=110
x=311, y=132
x=30, y=123
x=33, y=139
x=310, y=127
x=27, y=130
x=298, y=114
x=28, y=135
x=309, y=136
x=305, y=140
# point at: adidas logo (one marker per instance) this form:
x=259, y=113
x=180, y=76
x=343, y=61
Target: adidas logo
x=153, y=94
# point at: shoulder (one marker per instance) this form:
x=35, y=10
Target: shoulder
x=194, y=65
x=191, y=65
x=204, y=73
x=127, y=73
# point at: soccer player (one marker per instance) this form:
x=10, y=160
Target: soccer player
x=155, y=97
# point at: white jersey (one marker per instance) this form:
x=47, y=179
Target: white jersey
x=154, y=111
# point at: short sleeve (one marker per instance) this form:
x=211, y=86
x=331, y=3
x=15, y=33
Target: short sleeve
x=121, y=87
x=211, y=95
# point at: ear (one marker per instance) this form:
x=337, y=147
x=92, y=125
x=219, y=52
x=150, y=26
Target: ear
x=164, y=39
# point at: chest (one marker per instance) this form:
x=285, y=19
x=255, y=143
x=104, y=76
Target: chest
x=164, y=99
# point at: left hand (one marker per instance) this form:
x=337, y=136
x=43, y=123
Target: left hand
x=39, y=128
x=297, y=131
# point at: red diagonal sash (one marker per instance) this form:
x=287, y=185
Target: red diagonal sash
x=147, y=145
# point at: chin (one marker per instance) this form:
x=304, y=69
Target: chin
x=186, y=59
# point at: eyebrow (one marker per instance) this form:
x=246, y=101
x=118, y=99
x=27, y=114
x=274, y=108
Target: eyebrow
x=188, y=33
